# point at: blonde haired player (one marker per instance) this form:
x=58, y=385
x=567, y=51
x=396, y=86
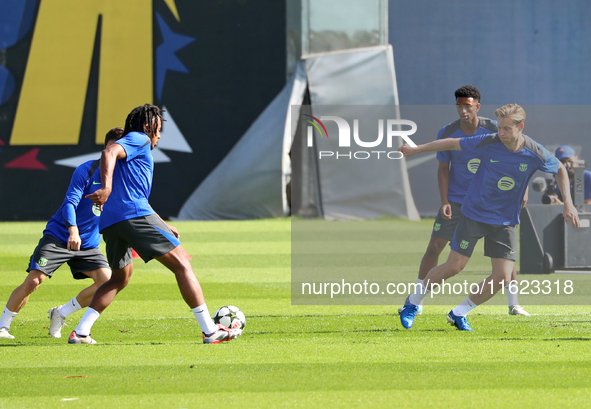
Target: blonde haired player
x=508, y=159
x=454, y=175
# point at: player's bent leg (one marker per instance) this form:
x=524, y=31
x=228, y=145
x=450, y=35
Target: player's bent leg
x=105, y=294
x=176, y=261
x=455, y=263
x=501, y=272
x=57, y=315
x=102, y=299
x=20, y=295
x=99, y=276
x=514, y=272
x=188, y=284
x=431, y=257
x=18, y=299
x=428, y=262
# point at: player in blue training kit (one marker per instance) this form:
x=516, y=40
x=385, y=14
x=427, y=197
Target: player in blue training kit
x=567, y=155
x=71, y=236
x=491, y=208
x=129, y=221
x=456, y=171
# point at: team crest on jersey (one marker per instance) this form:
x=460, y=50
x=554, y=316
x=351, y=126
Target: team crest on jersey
x=42, y=262
x=506, y=183
x=473, y=165
x=437, y=226
x=464, y=244
x=523, y=167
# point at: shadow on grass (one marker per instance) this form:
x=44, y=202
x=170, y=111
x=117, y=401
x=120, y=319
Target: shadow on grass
x=567, y=339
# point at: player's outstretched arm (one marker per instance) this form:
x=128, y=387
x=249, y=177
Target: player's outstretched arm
x=570, y=212
x=450, y=144
x=109, y=158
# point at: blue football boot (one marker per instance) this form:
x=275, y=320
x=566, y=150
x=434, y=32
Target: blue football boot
x=408, y=314
x=459, y=322
x=418, y=313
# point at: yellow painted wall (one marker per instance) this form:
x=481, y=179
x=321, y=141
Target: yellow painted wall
x=56, y=79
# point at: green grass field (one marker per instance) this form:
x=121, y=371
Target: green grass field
x=150, y=352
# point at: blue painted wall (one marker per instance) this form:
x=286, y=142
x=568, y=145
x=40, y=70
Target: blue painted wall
x=535, y=52
x=522, y=51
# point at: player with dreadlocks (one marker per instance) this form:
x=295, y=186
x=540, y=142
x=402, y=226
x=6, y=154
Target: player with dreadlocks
x=129, y=221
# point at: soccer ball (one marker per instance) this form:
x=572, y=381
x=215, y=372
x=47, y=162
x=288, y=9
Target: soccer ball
x=230, y=316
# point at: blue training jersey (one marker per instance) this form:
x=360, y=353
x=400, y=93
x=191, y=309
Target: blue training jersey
x=132, y=181
x=496, y=193
x=78, y=211
x=462, y=167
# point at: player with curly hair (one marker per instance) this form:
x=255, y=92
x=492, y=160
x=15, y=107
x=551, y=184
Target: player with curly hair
x=128, y=221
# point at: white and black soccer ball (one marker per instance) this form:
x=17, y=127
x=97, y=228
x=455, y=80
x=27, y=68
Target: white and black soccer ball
x=230, y=316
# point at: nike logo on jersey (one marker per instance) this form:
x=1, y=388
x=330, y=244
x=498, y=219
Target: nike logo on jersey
x=96, y=183
x=493, y=161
